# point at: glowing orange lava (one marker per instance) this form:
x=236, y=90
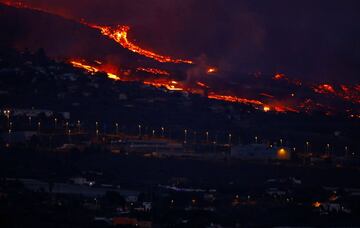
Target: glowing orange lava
x=211, y=70
x=266, y=108
x=169, y=85
x=153, y=71
x=234, y=99
x=203, y=85
x=279, y=76
x=344, y=92
x=92, y=69
x=120, y=35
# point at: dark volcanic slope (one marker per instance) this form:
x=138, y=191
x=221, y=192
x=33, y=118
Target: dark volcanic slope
x=61, y=38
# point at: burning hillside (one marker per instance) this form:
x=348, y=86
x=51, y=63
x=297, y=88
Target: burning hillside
x=119, y=34
x=275, y=92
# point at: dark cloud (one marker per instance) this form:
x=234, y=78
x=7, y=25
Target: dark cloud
x=309, y=39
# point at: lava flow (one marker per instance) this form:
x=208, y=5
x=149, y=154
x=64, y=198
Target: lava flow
x=119, y=34
x=92, y=69
x=173, y=85
x=349, y=93
x=153, y=71
x=281, y=98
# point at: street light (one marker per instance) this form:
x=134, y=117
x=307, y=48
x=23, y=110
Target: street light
x=29, y=121
x=153, y=133
x=162, y=131
x=307, y=146
x=230, y=139
x=79, y=125
x=9, y=135
x=139, y=126
x=117, y=128
x=39, y=125
x=281, y=142
x=55, y=122
x=256, y=139
x=185, y=136
x=207, y=137
x=7, y=114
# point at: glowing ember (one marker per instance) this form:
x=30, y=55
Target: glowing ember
x=211, y=70
x=201, y=84
x=266, y=95
x=324, y=88
x=344, y=92
x=234, y=99
x=316, y=204
x=92, y=69
x=120, y=33
x=279, y=76
x=266, y=108
x=171, y=85
x=88, y=68
x=153, y=71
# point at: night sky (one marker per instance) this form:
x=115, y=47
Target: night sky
x=318, y=40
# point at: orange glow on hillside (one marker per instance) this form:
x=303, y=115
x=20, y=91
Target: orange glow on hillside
x=93, y=69
x=267, y=102
x=201, y=84
x=316, y=204
x=348, y=93
x=169, y=85
x=324, y=88
x=234, y=99
x=153, y=71
x=279, y=76
x=211, y=70
x=120, y=35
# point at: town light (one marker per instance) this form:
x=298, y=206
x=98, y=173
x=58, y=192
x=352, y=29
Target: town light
x=185, y=136
x=162, y=131
x=139, y=126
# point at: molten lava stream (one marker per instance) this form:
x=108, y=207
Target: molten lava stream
x=119, y=35
x=92, y=69
x=348, y=93
x=153, y=71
